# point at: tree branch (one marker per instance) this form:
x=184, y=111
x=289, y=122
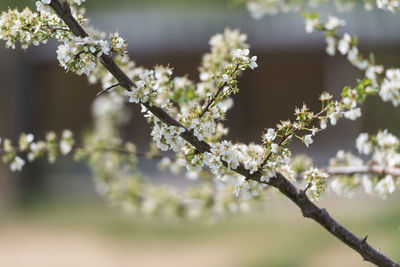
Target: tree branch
x=370, y=168
x=308, y=208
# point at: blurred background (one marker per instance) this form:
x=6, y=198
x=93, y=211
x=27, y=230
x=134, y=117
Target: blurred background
x=50, y=215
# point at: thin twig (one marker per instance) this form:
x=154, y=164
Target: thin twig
x=286, y=136
x=371, y=168
x=57, y=28
x=209, y=103
x=205, y=109
x=306, y=189
x=108, y=88
x=308, y=208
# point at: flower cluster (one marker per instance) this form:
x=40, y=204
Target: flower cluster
x=384, y=149
x=216, y=105
x=316, y=180
x=75, y=54
x=219, y=61
x=222, y=152
x=391, y=5
x=42, y=5
x=386, y=83
x=67, y=142
x=80, y=55
x=345, y=184
x=78, y=2
x=167, y=137
x=259, y=8
x=346, y=45
x=118, y=45
x=241, y=56
x=205, y=127
x=27, y=27
x=153, y=87
x=390, y=87
x=35, y=149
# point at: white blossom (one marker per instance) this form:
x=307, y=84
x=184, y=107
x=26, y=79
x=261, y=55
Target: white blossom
x=352, y=114
x=390, y=87
x=65, y=147
x=323, y=124
x=316, y=182
x=331, y=47
x=308, y=140
x=334, y=22
x=390, y=5
x=362, y=144
x=252, y=62
x=385, y=186
x=42, y=6
x=241, y=54
x=344, y=44
x=311, y=23
x=270, y=135
x=17, y=164
x=274, y=148
x=372, y=71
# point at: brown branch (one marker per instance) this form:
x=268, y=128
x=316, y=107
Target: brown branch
x=308, y=208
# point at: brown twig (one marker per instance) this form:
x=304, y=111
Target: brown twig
x=209, y=103
x=286, y=136
x=212, y=100
x=56, y=28
x=308, y=208
x=107, y=89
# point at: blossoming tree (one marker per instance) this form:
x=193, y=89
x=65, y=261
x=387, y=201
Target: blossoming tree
x=187, y=118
